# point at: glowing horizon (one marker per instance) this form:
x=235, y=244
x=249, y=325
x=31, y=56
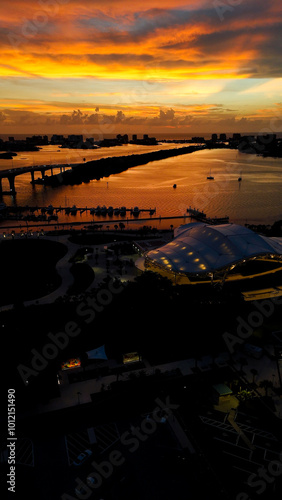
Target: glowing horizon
x=201, y=67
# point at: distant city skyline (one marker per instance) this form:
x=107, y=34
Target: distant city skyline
x=158, y=67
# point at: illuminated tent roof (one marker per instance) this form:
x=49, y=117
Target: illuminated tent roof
x=200, y=248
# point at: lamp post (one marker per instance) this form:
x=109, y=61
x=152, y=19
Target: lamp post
x=278, y=358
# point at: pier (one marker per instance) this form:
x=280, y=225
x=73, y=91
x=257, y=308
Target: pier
x=202, y=217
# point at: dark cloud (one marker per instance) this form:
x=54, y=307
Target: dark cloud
x=119, y=58
x=120, y=116
x=166, y=115
x=141, y=24
x=200, y=118
x=77, y=117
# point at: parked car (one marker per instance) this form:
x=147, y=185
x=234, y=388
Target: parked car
x=80, y=490
x=82, y=457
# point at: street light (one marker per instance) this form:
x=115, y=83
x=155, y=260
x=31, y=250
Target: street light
x=278, y=357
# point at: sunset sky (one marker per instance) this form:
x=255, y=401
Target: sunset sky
x=158, y=66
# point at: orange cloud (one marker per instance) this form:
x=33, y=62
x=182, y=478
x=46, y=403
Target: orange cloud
x=127, y=46
x=91, y=40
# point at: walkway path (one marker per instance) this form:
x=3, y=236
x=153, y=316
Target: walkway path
x=231, y=419
x=63, y=267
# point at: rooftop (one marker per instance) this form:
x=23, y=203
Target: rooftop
x=200, y=248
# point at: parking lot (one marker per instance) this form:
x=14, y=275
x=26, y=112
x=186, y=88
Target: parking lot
x=242, y=462
x=102, y=437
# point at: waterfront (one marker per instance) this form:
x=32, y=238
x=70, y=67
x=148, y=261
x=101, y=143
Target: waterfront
x=256, y=199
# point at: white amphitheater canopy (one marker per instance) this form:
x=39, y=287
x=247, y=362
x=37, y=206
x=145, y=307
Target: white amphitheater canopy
x=200, y=248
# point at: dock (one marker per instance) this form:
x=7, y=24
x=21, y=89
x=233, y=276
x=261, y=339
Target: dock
x=43, y=213
x=49, y=215
x=202, y=217
x=90, y=225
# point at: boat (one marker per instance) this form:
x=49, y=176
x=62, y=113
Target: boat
x=210, y=177
x=50, y=209
x=196, y=214
x=217, y=220
x=42, y=217
x=135, y=211
x=174, y=186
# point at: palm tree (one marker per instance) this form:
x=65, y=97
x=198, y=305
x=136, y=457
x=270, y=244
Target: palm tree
x=244, y=394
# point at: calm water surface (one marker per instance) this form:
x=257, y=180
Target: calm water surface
x=256, y=199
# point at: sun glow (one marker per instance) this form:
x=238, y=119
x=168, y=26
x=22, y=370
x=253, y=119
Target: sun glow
x=62, y=56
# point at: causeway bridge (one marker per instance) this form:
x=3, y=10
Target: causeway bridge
x=11, y=174
x=103, y=167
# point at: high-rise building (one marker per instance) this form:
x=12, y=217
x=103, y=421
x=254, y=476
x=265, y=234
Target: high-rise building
x=236, y=137
x=57, y=139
